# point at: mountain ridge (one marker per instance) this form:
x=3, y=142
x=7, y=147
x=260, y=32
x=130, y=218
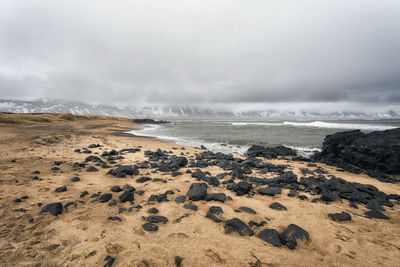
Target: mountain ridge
x=75, y=107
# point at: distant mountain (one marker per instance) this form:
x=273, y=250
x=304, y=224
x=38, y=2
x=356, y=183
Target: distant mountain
x=63, y=106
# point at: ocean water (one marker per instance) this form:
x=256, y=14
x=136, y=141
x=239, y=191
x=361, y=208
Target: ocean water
x=230, y=136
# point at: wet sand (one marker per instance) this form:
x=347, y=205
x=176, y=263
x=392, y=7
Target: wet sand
x=82, y=235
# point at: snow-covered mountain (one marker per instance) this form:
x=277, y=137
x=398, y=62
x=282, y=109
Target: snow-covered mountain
x=62, y=106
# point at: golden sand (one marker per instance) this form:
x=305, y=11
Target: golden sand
x=83, y=236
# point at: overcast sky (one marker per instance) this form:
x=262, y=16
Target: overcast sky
x=208, y=51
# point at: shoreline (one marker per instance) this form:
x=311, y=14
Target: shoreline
x=82, y=235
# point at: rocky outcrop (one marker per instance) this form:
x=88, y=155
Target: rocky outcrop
x=376, y=153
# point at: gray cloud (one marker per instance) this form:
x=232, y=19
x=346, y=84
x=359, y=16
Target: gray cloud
x=194, y=52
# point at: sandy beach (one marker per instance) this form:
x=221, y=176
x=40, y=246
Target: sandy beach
x=83, y=235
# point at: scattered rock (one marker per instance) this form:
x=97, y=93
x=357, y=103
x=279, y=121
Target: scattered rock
x=105, y=197
x=290, y=235
x=149, y=227
x=53, y=208
x=61, y=189
x=91, y=169
x=197, y=191
x=116, y=188
x=143, y=179
x=156, y=219
x=190, y=207
x=271, y=236
x=180, y=199
x=343, y=216
x=114, y=218
x=270, y=191
x=239, y=226
x=221, y=197
x=211, y=216
x=215, y=210
x=152, y=210
x=126, y=196
x=376, y=214
x=277, y=206
x=75, y=179
x=248, y=210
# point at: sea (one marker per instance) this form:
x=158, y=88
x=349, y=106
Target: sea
x=236, y=136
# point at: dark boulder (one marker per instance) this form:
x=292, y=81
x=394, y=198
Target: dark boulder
x=290, y=235
x=271, y=236
x=150, y=227
x=126, y=196
x=152, y=210
x=129, y=188
x=221, y=197
x=158, y=198
x=197, y=191
x=116, y=188
x=215, y=210
x=114, y=218
x=61, y=189
x=190, y=207
x=242, y=188
x=143, y=179
x=105, y=197
x=156, y=219
x=236, y=225
x=277, y=206
x=376, y=214
x=270, y=152
x=377, y=152
x=214, y=218
x=343, y=216
x=180, y=199
x=269, y=191
x=84, y=193
x=91, y=169
x=248, y=210
x=75, y=179
x=53, y=208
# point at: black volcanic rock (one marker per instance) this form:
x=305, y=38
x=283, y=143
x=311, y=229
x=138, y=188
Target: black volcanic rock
x=180, y=199
x=53, y=208
x=190, y=207
x=290, y=235
x=116, y=188
x=270, y=152
x=343, y=216
x=277, y=206
x=61, y=189
x=143, y=179
x=197, y=191
x=377, y=153
x=221, y=197
x=376, y=214
x=242, y=188
x=269, y=191
x=126, y=196
x=91, y=169
x=75, y=179
x=152, y=210
x=270, y=236
x=105, y=197
x=156, y=219
x=248, y=210
x=236, y=225
x=151, y=227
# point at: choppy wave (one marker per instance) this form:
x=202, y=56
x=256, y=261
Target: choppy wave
x=333, y=125
x=322, y=124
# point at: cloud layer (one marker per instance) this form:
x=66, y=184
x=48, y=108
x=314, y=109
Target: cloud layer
x=196, y=52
